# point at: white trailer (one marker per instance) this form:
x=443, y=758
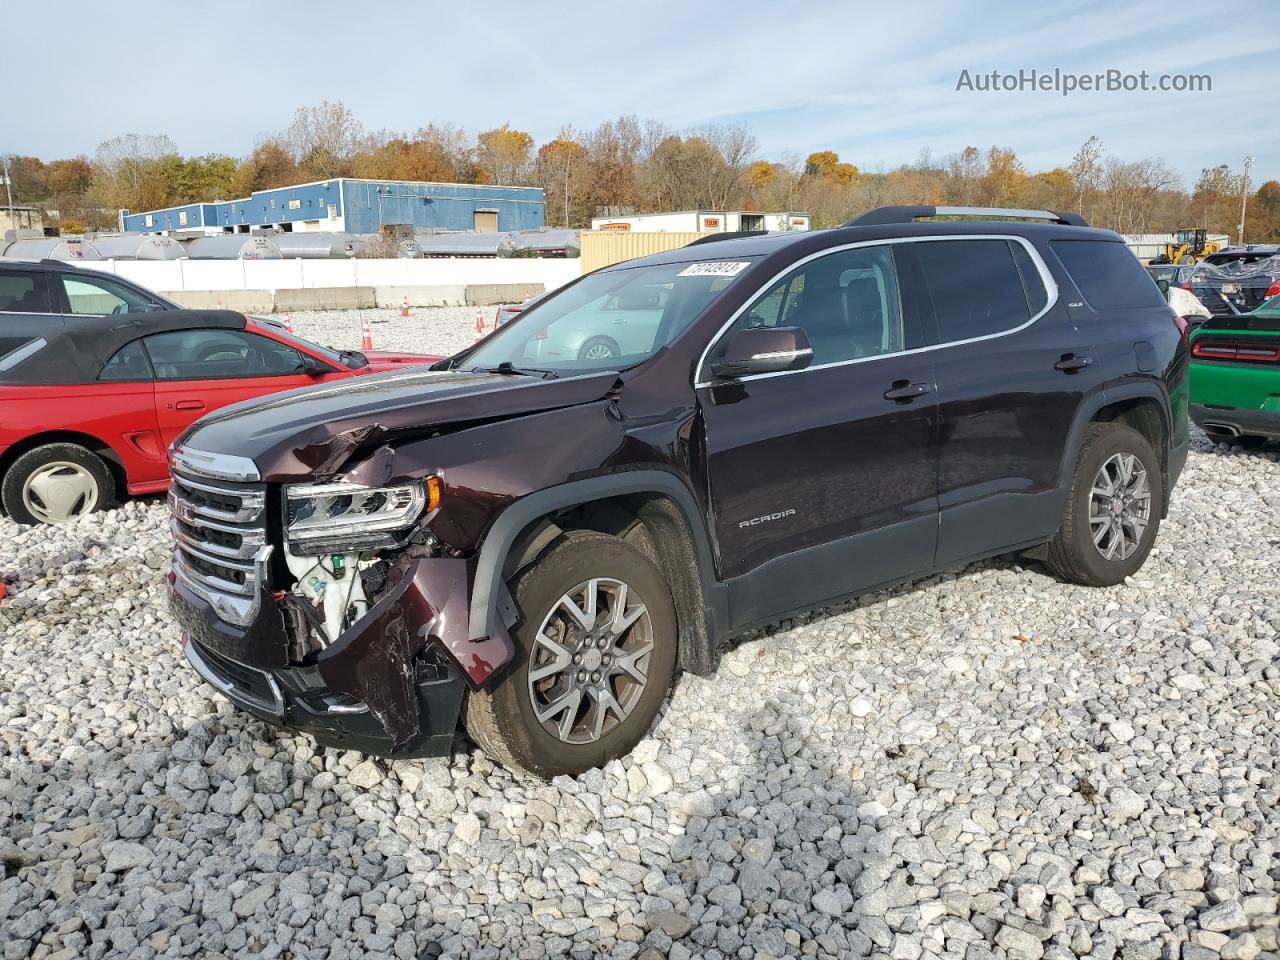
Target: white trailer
x=703, y=221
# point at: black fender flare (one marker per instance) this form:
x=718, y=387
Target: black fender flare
x=488, y=586
x=1103, y=397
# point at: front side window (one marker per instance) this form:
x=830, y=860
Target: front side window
x=98, y=296
x=219, y=354
x=21, y=293
x=976, y=287
x=609, y=320
x=845, y=302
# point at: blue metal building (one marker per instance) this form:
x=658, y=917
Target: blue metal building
x=353, y=206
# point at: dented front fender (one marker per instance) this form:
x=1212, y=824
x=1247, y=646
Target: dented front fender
x=373, y=660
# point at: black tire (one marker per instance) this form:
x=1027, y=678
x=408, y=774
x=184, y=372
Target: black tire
x=501, y=720
x=102, y=497
x=1072, y=554
x=608, y=343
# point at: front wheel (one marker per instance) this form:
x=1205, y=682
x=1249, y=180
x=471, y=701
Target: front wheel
x=55, y=483
x=1113, y=510
x=596, y=653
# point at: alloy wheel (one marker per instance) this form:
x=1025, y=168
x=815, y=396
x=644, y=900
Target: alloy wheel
x=599, y=351
x=60, y=491
x=590, y=661
x=1119, y=506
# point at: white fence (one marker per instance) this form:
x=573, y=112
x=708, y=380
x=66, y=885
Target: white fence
x=177, y=275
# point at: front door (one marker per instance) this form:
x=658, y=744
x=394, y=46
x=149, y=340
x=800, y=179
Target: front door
x=198, y=371
x=823, y=480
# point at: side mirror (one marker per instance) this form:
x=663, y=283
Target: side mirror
x=764, y=350
x=1164, y=287
x=313, y=367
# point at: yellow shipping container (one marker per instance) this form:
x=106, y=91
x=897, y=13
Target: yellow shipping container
x=603, y=247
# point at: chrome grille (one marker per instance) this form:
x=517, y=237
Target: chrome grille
x=220, y=539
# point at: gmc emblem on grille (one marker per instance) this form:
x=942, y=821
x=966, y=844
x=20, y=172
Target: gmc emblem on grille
x=182, y=509
x=756, y=521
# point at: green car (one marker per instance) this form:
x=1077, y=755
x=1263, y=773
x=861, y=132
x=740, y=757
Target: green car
x=1235, y=376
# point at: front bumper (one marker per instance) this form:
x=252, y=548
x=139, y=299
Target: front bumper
x=1236, y=421
x=297, y=698
x=398, y=674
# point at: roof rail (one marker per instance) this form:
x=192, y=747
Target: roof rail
x=906, y=214
x=726, y=235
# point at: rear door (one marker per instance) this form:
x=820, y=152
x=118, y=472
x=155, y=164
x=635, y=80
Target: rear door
x=25, y=308
x=821, y=484
x=90, y=296
x=1011, y=370
x=198, y=371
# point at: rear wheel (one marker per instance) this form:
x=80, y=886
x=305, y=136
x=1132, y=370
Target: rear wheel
x=599, y=348
x=55, y=483
x=596, y=652
x=1113, y=510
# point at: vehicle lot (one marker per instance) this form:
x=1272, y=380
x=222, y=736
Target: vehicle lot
x=979, y=762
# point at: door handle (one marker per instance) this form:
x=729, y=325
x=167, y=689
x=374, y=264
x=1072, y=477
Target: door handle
x=189, y=405
x=1070, y=363
x=904, y=391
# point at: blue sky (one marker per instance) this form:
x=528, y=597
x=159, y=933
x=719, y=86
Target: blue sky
x=875, y=82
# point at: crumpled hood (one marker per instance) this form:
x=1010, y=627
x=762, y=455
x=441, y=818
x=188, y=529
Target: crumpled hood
x=311, y=431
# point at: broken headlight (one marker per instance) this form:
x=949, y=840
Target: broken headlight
x=349, y=515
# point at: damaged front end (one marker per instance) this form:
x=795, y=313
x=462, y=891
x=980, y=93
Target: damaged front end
x=328, y=607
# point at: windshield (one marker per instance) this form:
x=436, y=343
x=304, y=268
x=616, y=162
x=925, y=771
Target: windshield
x=331, y=355
x=609, y=320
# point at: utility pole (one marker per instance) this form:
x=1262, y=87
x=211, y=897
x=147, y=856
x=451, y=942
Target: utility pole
x=566, y=189
x=8, y=189
x=1244, y=197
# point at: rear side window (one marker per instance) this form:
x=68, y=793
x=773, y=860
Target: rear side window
x=21, y=293
x=128, y=363
x=1108, y=275
x=975, y=287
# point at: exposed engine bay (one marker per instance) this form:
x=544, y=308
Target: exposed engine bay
x=331, y=591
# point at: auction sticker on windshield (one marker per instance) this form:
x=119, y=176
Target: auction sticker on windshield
x=715, y=268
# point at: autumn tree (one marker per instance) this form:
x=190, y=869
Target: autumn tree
x=1262, y=221
x=504, y=155
x=1005, y=183
x=69, y=177
x=826, y=165
x=130, y=172
x=1215, y=200
x=323, y=140
x=270, y=165
x=29, y=179
x=1086, y=172
x=401, y=159
x=557, y=162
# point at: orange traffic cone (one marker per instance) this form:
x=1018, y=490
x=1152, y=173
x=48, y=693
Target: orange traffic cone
x=366, y=338
x=479, y=324
x=404, y=306
x=288, y=324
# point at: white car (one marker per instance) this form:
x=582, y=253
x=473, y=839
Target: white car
x=611, y=327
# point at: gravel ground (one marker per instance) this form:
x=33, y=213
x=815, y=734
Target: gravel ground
x=437, y=330
x=983, y=764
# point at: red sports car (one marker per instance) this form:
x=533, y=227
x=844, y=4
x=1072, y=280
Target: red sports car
x=90, y=404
